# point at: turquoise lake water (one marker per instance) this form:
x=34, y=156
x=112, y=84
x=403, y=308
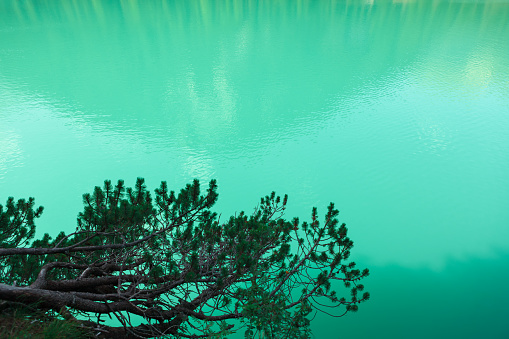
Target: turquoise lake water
x=396, y=111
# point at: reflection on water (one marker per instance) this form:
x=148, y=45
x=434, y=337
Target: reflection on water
x=468, y=300
x=10, y=153
x=397, y=111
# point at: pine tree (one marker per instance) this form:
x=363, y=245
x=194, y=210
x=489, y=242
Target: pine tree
x=173, y=263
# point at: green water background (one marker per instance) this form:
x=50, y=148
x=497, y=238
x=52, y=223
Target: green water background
x=396, y=111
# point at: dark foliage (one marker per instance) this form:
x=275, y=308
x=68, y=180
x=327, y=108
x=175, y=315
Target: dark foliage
x=176, y=266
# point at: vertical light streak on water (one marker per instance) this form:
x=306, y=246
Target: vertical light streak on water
x=398, y=112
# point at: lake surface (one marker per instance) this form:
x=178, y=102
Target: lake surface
x=396, y=111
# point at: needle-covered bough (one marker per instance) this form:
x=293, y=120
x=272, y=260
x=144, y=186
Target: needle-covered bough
x=139, y=268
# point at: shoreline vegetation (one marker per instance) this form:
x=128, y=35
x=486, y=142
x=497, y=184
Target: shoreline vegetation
x=22, y=322
x=170, y=267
